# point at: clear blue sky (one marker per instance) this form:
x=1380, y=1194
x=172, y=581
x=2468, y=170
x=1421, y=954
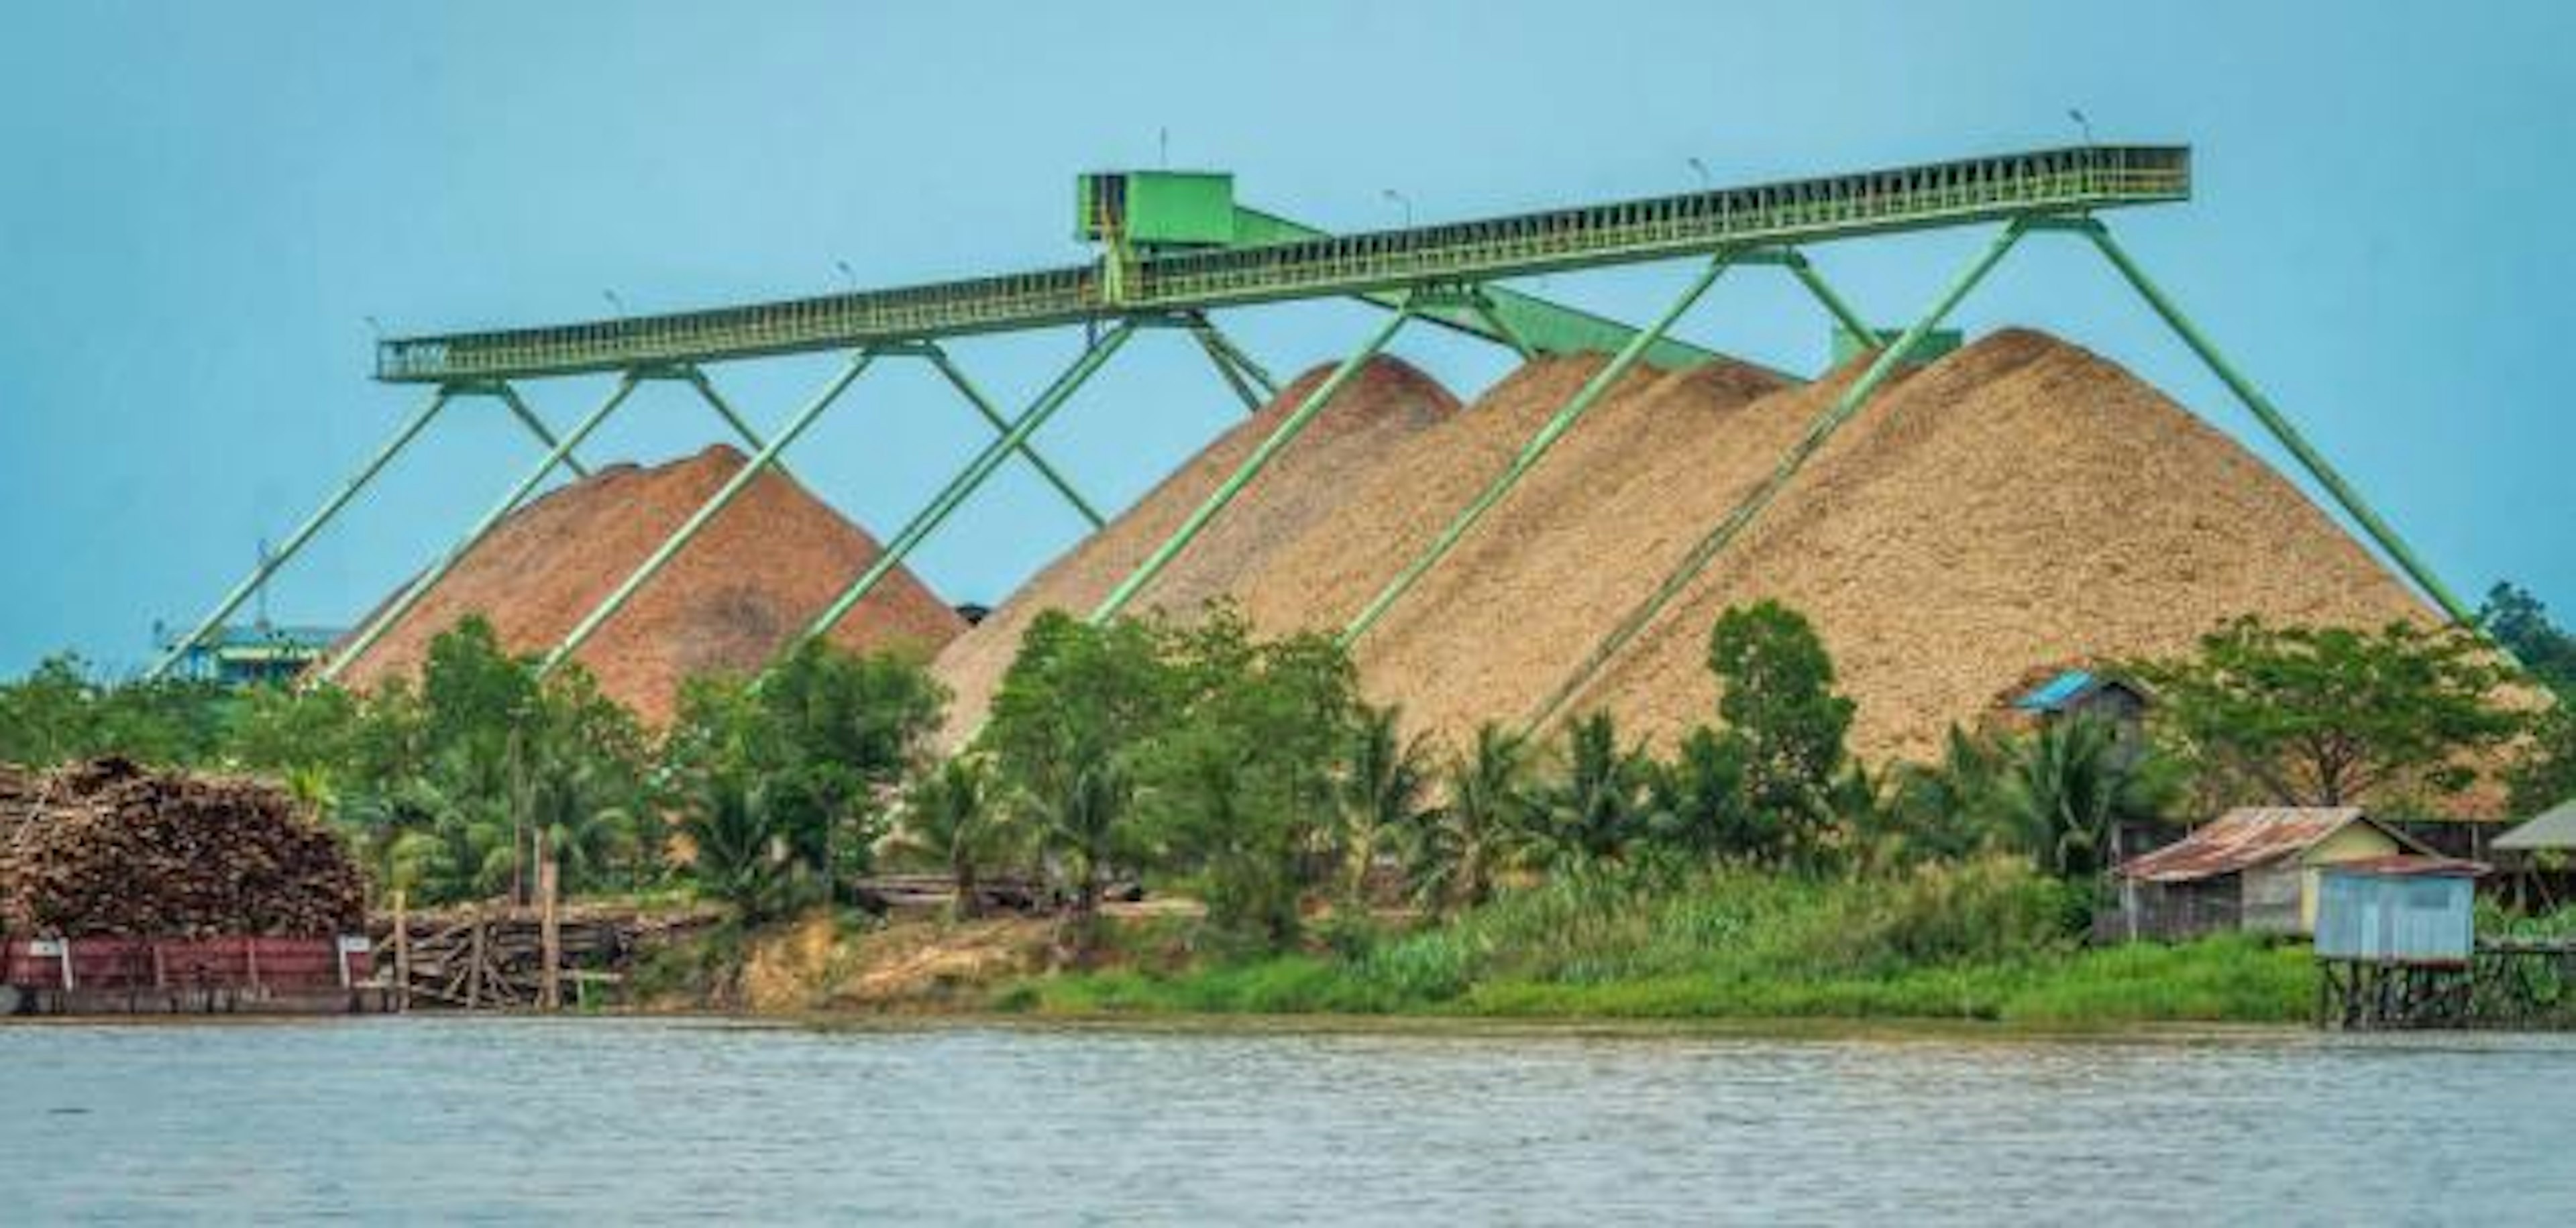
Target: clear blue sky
x=202, y=203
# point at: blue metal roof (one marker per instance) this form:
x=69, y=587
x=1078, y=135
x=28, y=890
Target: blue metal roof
x=2057, y=692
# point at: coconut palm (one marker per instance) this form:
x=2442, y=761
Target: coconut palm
x=1384, y=794
x=1487, y=825
x=2067, y=786
x=952, y=818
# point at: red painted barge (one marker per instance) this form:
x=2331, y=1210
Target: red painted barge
x=188, y=976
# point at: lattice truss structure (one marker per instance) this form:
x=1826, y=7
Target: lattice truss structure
x=1175, y=250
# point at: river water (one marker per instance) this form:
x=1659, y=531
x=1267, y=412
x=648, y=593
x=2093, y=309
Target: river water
x=510, y=1120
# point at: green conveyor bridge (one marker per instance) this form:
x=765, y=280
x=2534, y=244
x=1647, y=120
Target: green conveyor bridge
x=1175, y=249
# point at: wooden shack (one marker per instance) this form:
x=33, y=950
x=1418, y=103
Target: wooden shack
x=2255, y=869
x=2400, y=909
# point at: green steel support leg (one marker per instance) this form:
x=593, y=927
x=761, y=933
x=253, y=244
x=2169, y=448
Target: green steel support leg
x=960, y=488
x=420, y=588
x=1484, y=308
x=671, y=546
x=1213, y=337
x=2274, y=421
x=724, y=409
x=1234, y=376
x=1833, y=303
x=1537, y=447
x=1002, y=427
x=537, y=426
x=259, y=575
x=1818, y=433
x=1280, y=437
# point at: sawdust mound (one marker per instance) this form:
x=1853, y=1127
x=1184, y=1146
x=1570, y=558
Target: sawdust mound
x=2020, y=501
x=1387, y=403
x=754, y=577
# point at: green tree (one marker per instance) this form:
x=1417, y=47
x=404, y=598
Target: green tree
x=1697, y=799
x=1601, y=800
x=2547, y=774
x=2521, y=623
x=1944, y=811
x=1783, y=724
x=1385, y=794
x=2065, y=788
x=1238, y=790
x=951, y=819
x=1072, y=715
x=829, y=735
x=739, y=848
x=2324, y=716
x=1486, y=827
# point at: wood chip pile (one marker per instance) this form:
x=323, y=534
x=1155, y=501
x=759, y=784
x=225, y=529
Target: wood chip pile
x=109, y=849
x=756, y=576
x=2021, y=501
x=1386, y=404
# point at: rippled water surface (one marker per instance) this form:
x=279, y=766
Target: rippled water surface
x=622, y=1120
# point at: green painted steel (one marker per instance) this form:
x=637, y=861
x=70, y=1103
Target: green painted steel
x=537, y=426
x=1234, y=376
x=1823, y=292
x=715, y=400
x=412, y=593
x=1020, y=444
x=671, y=546
x=1155, y=208
x=268, y=565
x=1543, y=328
x=1790, y=213
x=963, y=486
x=1279, y=437
x=1844, y=408
x=2279, y=424
x=1531, y=452
x=1216, y=340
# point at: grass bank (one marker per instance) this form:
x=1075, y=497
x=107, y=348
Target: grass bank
x=1984, y=941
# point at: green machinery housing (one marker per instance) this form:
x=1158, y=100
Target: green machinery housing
x=1175, y=249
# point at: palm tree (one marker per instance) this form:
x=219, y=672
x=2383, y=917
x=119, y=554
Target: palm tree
x=1600, y=802
x=2069, y=785
x=950, y=817
x=1083, y=825
x=740, y=854
x=1486, y=825
x=1383, y=796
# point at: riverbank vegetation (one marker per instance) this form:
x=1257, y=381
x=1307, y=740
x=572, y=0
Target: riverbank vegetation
x=1750, y=867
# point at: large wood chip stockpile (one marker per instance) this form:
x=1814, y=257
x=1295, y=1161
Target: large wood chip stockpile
x=2020, y=501
x=754, y=577
x=1386, y=404
x=109, y=849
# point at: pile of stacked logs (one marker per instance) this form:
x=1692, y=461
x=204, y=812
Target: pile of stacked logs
x=107, y=848
x=494, y=957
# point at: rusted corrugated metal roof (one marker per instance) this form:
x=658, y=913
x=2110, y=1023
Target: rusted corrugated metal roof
x=2241, y=839
x=2411, y=865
